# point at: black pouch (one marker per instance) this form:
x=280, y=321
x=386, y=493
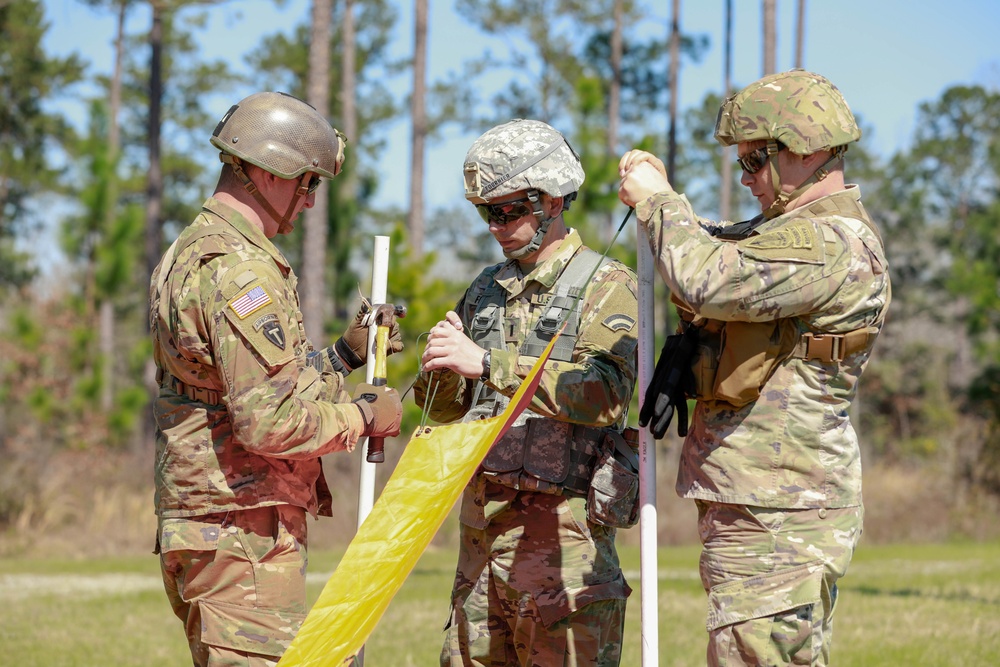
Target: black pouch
x=613, y=498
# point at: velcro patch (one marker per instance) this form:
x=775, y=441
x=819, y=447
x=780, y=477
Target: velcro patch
x=619, y=322
x=797, y=241
x=269, y=325
x=250, y=301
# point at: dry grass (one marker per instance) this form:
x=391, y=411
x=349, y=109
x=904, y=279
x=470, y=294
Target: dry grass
x=914, y=605
x=96, y=504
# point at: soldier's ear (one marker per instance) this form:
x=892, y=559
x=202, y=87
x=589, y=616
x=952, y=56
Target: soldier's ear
x=553, y=206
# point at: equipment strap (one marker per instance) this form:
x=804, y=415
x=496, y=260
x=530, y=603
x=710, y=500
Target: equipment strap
x=199, y=394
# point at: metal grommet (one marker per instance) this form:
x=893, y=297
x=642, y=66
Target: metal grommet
x=822, y=513
x=236, y=140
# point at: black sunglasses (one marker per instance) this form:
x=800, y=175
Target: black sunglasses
x=313, y=184
x=753, y=161
x=506, y=212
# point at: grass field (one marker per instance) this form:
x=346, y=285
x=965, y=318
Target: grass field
x=933, y=605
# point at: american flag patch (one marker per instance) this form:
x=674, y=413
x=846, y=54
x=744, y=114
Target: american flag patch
x=253, y=300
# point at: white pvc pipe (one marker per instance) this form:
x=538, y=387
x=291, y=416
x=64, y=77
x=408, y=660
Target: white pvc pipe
x=647, y=466
x=380, y=274
x=366, y=489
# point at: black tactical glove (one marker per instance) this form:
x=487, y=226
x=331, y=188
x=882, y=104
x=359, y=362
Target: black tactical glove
x=381, y=409
x=352, y=347
x=666, y=391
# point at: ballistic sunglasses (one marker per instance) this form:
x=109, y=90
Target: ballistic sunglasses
x=506, y=212
x=753, y=161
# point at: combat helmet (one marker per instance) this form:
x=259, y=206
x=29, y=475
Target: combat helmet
x=523, y=155
x=282, y=135
x=801, y=110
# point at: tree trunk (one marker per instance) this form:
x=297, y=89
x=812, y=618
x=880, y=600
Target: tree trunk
x=316, y=220
x=800, y=33
x=418, y=114
x=347, y=183
x=154, y=179
x=726, y=167
x=675, y=75
x=106, y=318
x=154, y=205
x=614, y=98
x=615, y=92
x=770, y=39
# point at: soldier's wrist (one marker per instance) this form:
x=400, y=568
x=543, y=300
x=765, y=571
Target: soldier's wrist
x=347, y=355
x=487, y=363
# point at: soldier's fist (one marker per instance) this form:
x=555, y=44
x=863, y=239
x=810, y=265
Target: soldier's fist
x=380, y=408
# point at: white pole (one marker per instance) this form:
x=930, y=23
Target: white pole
x=366, y=489
x=380, y=273
x=647, y=466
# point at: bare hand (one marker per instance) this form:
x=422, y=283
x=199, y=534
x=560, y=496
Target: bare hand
x=448, y=347
x=643, y=175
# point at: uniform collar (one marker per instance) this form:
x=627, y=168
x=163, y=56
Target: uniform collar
x=851, y=190
x=546, y=273
x=243, y=226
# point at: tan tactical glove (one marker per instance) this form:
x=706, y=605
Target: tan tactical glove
x=381, y=409
x=352, y=347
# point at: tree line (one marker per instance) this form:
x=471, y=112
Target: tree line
x=75, y=368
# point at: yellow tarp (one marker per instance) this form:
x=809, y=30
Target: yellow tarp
x=434, y=468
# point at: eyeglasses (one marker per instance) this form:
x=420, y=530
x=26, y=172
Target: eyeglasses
x=506, y=212
x=313, y=184
x=753, y=161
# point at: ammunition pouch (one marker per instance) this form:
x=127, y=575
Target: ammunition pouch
x=545, y=456
x=750, y=353
x=734, y=361
x=558, y=458
x=613, y=498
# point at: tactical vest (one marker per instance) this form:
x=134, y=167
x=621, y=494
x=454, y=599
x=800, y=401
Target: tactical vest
x=538, y=453
x=734, y=360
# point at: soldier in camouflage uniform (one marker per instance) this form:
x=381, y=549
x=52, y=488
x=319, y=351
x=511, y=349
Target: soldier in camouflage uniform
x=538, y=579
x=246, y=406
x=788, y=306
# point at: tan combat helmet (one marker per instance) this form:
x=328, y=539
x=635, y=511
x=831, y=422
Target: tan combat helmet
x=282, y=135
x=523, y=155
x=800, y=109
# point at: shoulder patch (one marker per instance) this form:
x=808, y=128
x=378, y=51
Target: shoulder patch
x=256, y=312
x=796, y=241
x=619, y=322
x=250, y=301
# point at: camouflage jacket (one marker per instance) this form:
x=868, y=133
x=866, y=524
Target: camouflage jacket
x=251, y=419
x=794, y=446
x=593, y=389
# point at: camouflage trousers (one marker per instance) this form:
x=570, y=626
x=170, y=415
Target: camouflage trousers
x=237, y=581
x=538, y=586
x=771, y=577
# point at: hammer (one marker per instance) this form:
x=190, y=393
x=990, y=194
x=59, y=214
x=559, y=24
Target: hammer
x=376, y=445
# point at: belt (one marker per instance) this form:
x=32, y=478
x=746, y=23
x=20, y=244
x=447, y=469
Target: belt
x=833, y=347
x=198, y=394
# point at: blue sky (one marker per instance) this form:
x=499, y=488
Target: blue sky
x=886, y=56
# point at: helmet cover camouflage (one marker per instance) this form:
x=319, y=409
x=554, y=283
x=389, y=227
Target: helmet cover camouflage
x=280, y=134
x=521, y=155
x=802, y=110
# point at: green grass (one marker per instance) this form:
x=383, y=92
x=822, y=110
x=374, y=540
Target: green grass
x=933, y=605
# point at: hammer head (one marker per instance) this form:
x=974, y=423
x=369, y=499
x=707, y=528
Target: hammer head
x=383, y=314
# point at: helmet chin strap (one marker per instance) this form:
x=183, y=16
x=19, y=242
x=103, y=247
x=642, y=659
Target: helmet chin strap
x=284, y=221
x=781, y=199
x=543, y=227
